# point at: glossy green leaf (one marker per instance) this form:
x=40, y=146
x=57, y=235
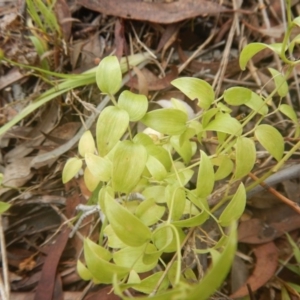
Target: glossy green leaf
x=149, y=212
x=71, y=168
x=111, y=125
x=245, y=157
x=4, y=207
x=129, y=229
x=226, y=124
x=100, y=167
x=289, y=112
x=168, y=120
x=83, y=271
x=225, y=166
x=270, y=138
x=86, y=144
x=109, y=75
x=235, y=208
x=250, y=50
x=280, y=82
x=206, y=176
x=136, y=105
x=195, y=88
x=132, y=258
x=257, y=104
x=129, y=162
x=237, y=95
x=97, y=260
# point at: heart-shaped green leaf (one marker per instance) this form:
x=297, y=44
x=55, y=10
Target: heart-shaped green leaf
x=136, y=105
x=86, y=144
x=100, y=167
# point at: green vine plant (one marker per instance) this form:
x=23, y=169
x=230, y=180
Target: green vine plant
x=153, y=185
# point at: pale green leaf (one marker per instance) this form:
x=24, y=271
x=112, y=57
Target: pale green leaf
x=289, y=112
x=235, y=208
x=148, y=284
x=168, y=120
x=176, y=202
x=160, y=154
x=280, y=82
x=149, y=212
x=237, y=95
x=226, y=124
x=225, y=166
x=296, y=21
x=157, y=192
x=136, y=105
x=164, y=239
x=86, y=144
x=83, y=271
x=270, y=138
x=206, y=176
x=71, y=168
x=245, y=157
x=111, y=125
x=195, y=88
x=90, y=180
x=100, y=167
x=128, y=228
x=184, y=149
x=97, y=260
x=113, y=240
x=4, y=207
x=250, y=50
x=132, y=258
x=109, y=75
x=156, y=168
x=129, y=162
x=257, y=104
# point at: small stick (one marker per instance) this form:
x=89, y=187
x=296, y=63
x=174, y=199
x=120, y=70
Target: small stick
x=282, y=198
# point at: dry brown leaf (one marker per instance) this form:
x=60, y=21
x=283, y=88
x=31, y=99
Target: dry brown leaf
x=256, y=231
x=18, y=172
x=165, y=13
x=63, y=16
x=265, y=267
x=154, y=83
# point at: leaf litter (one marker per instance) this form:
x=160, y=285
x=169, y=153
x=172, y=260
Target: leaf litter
x=40, y=257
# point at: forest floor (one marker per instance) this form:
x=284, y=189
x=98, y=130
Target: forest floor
x=200, y=39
